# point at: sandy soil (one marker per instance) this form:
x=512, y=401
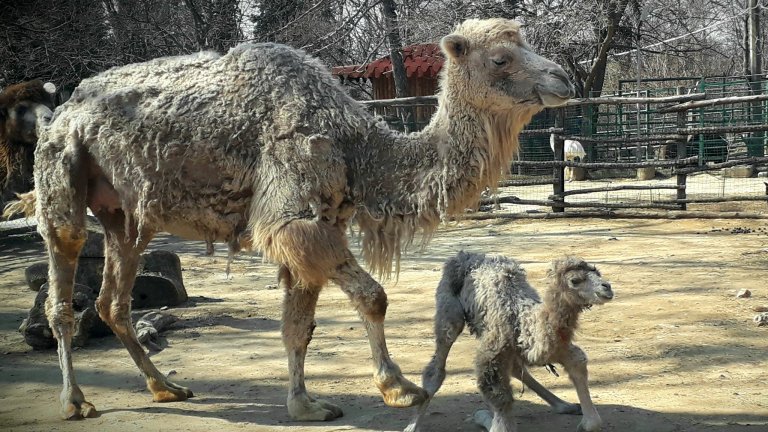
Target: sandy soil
x=675, y=350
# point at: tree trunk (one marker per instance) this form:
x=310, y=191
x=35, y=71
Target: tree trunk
x=389, y=9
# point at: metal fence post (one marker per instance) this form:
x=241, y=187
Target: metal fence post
x=682, y=144
x=558, y=186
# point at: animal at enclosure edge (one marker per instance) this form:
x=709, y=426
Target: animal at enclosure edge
x=282, y=173
x=516, y=328
x=23, y=107
x=572, y=151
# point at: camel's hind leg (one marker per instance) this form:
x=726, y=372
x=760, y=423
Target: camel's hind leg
x=61, y=203
x=121, y=258
x=371, y=303
x=558, y=405
x=493, y=370
x=298, y=324
x=449, y=323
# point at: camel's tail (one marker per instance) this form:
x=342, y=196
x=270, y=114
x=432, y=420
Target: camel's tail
x=25, y=205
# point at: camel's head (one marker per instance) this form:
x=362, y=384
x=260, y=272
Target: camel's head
x=490, y=63
x=580, y=282
x=23, y=108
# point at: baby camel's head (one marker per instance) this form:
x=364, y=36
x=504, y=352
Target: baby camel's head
x=579, y=282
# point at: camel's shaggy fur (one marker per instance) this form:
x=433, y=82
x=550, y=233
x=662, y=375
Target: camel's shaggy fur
x=516, y=329
x=262, y=148
x=21, y=106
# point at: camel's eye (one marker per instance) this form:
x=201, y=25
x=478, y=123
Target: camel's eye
x=576, y=280
x=499, y=61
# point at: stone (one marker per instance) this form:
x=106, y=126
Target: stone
x=646, y=173
x=744, y=293
x=741, y=171
x=159, y=282
x=37, y=333
x=761, y=319
x=36, y=275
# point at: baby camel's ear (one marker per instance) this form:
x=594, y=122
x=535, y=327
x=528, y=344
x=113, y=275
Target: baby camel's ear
x=455, y=46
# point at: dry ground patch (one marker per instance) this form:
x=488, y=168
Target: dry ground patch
x=674, y=351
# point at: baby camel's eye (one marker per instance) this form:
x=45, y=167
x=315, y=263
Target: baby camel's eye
x=498, y=61
x=576, y=281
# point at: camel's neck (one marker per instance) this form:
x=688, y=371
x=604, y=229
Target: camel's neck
x=442, y=169
x=410, y=182
x=559, y=315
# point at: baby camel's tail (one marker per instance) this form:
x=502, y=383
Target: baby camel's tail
x=25, y=205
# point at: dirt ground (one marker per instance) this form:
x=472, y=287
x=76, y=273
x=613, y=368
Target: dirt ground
x=674, y=351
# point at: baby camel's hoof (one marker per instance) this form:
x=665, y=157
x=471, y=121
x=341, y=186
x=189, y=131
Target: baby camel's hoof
x=168, y=392
x=78, y=410
x=398, y=392
x=305, y=408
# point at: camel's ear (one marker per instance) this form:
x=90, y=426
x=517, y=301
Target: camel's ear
x=455, y=46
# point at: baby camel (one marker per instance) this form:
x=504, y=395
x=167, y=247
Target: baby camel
x=516, y=329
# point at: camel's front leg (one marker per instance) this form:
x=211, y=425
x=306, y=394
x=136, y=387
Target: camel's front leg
x=298, y=323
x=575, y=363
x=371, y=303
x=64, y=245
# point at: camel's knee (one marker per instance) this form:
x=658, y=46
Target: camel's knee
x=367, y=295
x=61, y=316
x=66, y=242
x=116, y=314
x=433, y=376
x=493, y=380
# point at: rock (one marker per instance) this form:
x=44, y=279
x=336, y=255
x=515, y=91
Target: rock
x=36, y=275
x=94, y=245
x=761, y=319
x=763, y=174
x=159, y=282
x=741, y=171
x=37, y=333
x=745, y=293
x=760, y=308
x=646, y=173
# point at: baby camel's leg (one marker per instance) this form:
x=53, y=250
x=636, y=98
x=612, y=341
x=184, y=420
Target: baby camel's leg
x=575, y=363
x=493, y=379
x=449, y=323
x=369, y=299
x=558, y=405
x=298, y=324
x=121, y=258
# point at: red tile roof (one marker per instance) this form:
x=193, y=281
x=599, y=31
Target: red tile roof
x=420, y=61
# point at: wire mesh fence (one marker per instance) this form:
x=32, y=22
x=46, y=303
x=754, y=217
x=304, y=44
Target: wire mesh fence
x=649, y=131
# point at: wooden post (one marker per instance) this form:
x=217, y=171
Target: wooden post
x=682, y=144
x=558, y=172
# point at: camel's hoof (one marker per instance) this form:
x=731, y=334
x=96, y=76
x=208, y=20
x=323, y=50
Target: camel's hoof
x=78, y=410
x=168, y=392
x=398, y=392
x=305, y=408
x=568, y=408
x=590, y=425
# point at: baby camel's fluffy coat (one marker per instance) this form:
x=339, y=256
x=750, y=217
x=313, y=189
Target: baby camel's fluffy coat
x=516, y=329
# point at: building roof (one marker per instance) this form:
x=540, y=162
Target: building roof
x=423, y=60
